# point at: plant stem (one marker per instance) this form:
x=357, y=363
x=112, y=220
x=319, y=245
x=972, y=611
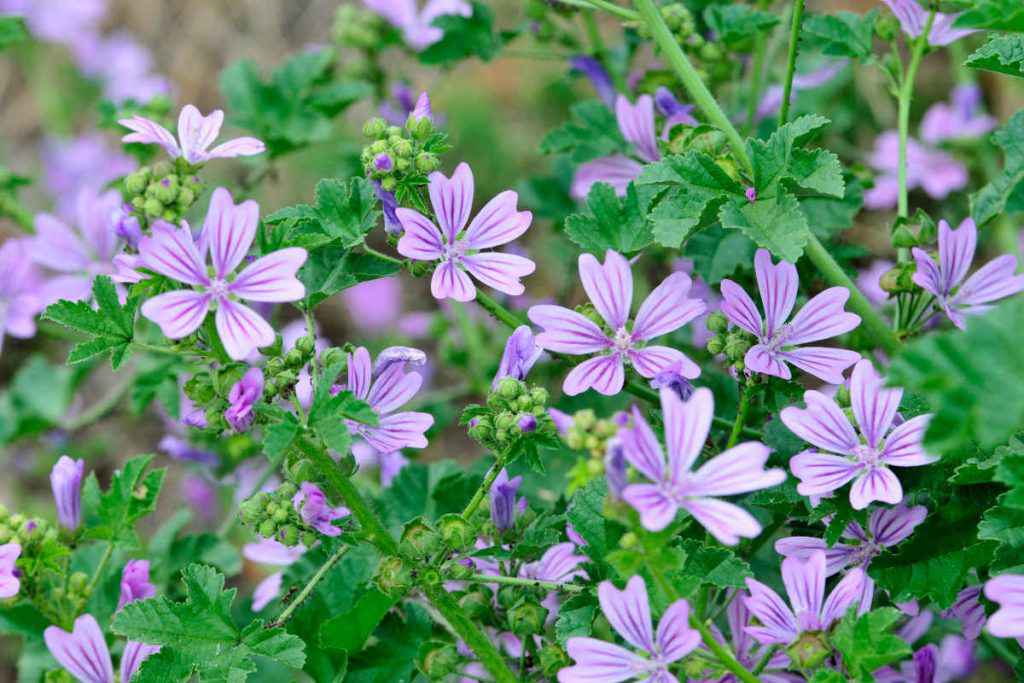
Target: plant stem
x=476, y=639
x=483, y=489
x=741, y=416
x=794, y=41
x=499, y=312
x=381, y=255
x=528, y=583
x=97, y=575
x=768, y=653
x=699, y=92
x=103, y=406
x=873, y=322
x=610, y=7
x=906, y=94
x=283, y=618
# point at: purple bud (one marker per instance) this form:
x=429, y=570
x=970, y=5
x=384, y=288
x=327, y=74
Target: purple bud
x=598, y=77
x=404, y=355
x=671, y=378
x=127, y=226
x=243, y=396
x=527, y=423
x=383, y=162
x=615, y=468
x=66, y=482
x=311, y=504
x=521, y=352
x=389, y=204
x=751, y=194
x=422, y=108
x=473, y=422
x=563, y=421
x=135, y=584
x=503, y=500
x=195, y=418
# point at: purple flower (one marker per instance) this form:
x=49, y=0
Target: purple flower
x=672, y=377
x=228, y=232
x=135, y=653
x=417, y=25
x=422, y=110
x=778, y=342
x=200, y=494
x=311, y=504
x=866, y=458
x=269, y=551
x=967, y=608
x=521, y=352
x=558, y=564
x=123, y=65
x=195, y=135
x=961, y=118
x=387, y=389
x=993, y=281
x=180, y=449
x=675, y=113
x=952, y=660
x=598, y=76
x=913, y=19
x=805, y=586
x=771, y=101
x=886, y=527
x=504, y=504
x=869, y=281
x=135, y=583
x=610, y=288
x=71, y=164
x=374, y=305
x=1008, y=592
x=82, y=253
x=83, y=652
x=243, y=397
x=58, y=21
x=636, y=122
x=676, y=486
x=574, y=536
x=629, y=613
x=934, y=171
x=460, y=251
x=10, y=584
x=615, y=471
x=20, y=284
x=66, y=483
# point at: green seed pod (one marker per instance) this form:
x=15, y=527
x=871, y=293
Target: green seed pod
x=289, y=535
x=393, y=576
x=437, y=661
x=527, y=618
x=456, y=532
x=153, y=207
x=419, y=539
x=476, y=605
x=375, y=128
x=306, y=345
x=78, y=581
x=717, y=322
x=427, y=162
x=809, y=651
x=267, y=528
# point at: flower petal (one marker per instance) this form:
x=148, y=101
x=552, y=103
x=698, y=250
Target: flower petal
x=656, y=509
x=827, y=364
x=451, y=282
x=616, y=170
x=393, y=388
x=890, y=526
x=566, y=331
x=738, y=470
x=603, y=374
x=651, y=360
x=56, y=246
x=822, y=424
x=779, y=621
x=609, y=286
x=993, y=281
x=83, y=652
x=400, y=430
x=641, y=448
x=875, y=483
x=360, y=372
x=636, y=121
x=178, y=313
x=740, y=309
x=956, y=252
x=241, y=329
x=497, y=223
x=836, y=558
x=422, y=239
x=904, y=448
x=1007, y=591
x=135, y=653
x=452, y=199
x=197, y=132
x=674, y=636
x=686, y=428
x=927, y=275
x=846, y=592
x=148, y=132
x=805, y=583
x=725, y=521
x=628, y=611
x=822, y=318
x=229, y=230
x=172, y=252
x=873, y=406
x=599, y=662
x=500, y=271
x=667, y=308
x=762, y=359
x=778, y=284
x=238, y=147
x=272, y=277
x=822, y=473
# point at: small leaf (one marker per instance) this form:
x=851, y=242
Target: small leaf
x=776, y=223
x=737, y=25
x=591, y=132
x=111, y=326
x=992, y=200
x=867, y=642
x=843, y=34
x=349, y=630
x=1002, y=53
x=610, y=223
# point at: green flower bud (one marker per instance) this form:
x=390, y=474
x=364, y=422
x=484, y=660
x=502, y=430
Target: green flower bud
x=476, y=605
x=454, y=569
x=505, y=420
x=287, y=379
x=539, y=396
x=267, y=528
x=393, y=576
x=584, y=419
x=456, y=532
x=306, y=345
x=402, y=148
x=287, y=490
x=809, y=651
x=501, y=435
x=508, y=596
x=308, y=538
x=710, y=52
x=736, y=346
x=903, y=238
x=136, y=182
x=524, y=403
x=509, y=387
x=280, y=515
x=740, y=365
x=199, y=388
x=332, y=356
x=605, y=429
x=153, y=207
x=419, y=539
x=716, y=344
x=302, y=470
x=527, y=618
x=628, y=540
x=389, y=183
x=185, y=198
x=375, y=128
x=166, y=189
x=887, y=27
x=138, y=202
x=78, y=581
x=16, y=520
x=270, y=388
x=289, y=535
x=394, y=133
x=717, y=322
x=427, y=162
x=420, y=128
x=552, y=659
x=5, y=534
x=437, y=661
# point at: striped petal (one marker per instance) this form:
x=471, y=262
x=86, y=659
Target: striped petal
x=241, y=329
x=178, y=313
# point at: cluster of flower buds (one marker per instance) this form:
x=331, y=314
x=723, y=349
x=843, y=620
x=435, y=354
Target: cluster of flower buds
x=590, y=433
x=548, y=29
x=273, y=515
x=712, y=60
x=357, y=27
x=513, y=410
x=282, y=372
x=899, y=279
x=165, y=190
x=734, y=344
x=25, y=531
x=398, y=153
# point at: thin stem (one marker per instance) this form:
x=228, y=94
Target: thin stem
x=483, y=489
x=768, y=653
x=283, y=618
x=699, y=92
x=741, y=416
x=473, y=344
x=381, y=255
x=610, y=7
x=103, y=406
x=499, y=312
x=314, y=369
x=906, y=94
x=872, y=321
x=528, y=583
x=794, y=41
x=97, y=575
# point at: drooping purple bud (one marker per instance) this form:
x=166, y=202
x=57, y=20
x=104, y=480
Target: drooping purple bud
x=389, y=205
x=195, y=418
x=673, y=110
x=574, y=536
x=383, y=162
x=243, y=397
x=311, y=504
x=672, y=378
x=521, y=352
x=127, y=225
x=527, y=423
x=598, y=76
x=503, y=500
x=135, y=583
x=422, y=108
x=563, y=421
x=66, y=482
x=403, y=355
x=615, y=468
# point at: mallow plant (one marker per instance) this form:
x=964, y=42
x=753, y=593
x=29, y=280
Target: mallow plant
x=717, y=394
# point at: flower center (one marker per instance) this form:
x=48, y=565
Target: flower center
x=866, y=454
x=778, y=340
x=623, y=340
x=219, y=288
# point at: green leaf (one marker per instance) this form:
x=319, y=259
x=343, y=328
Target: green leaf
x=829, y=216
x=591, y=132
x=280, y=432
x=349, y=630
x=843, y=34
x=867, y=642
x=993, y=15
x=717, y=254
x=274, y=643
x=464, y=37
x=972, y=379
x=938, y=577
x=343, y=212
x=1004, y=523
x=737, y=25
x=776, y=223
x=781, y=158
x=991, y=200
x=610, y=223
x=586, y=513
x=1002, y=53
x=111, y=515
x=333, y=268
x=12, y=31
x=687, y=192
x=575, y=618
x=111, y=326
x=42, y=390
x=709, y=565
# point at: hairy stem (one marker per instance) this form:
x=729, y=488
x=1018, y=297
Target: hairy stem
x=485, y=486
x=528, y=583
x=741, y=416
x=794, y=42
x=314, y=580
x=906, y=94
x=499, y=312
x=609, y=7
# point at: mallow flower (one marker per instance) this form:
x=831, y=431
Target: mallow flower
x=1007, y=591
x=417, y=25
x=865, y=459
x=594, y=71
x=20, y=285
x=749, y=652
x=312, y=505
x=521, y=352
x=945, y=280
x=961, y=117
x=771, y=101
x=242, y=398
x=10, y=584
x=135, y=583
x=780, y=344
x=84, y=654
x=458, y=249
x=195, y=135
x=610, y=288
x=675, y=485
x=629, y=613
x=66, y=483
x=386, y=388
x=936, y=172
x=913, y=18
x=636, y=123
x=808, y=610
x=506, y=505
x=228, y=232
x=73, y=163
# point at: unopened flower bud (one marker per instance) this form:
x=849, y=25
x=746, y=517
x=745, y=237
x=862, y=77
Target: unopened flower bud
x=509, y=387
x=527, y=423
x=437, y=661
x=539, y=396
x=419, y=539
x=508, y=596
x=887, y=27
x=527, y=618
x=267, y=528
x=153, y=207
x=295, y=359
x=456, y=532
x=427, y=162
x=552, y=659
x=375, y=128
x=476, y=605
x=332, y=356
x=289, y=535
x=809, y=651
x=903, y=238
x=393, y=576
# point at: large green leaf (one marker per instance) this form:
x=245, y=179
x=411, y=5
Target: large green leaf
x=110, y=325
x=610, y=222
x=992, y=200
x=776, y=223
x=1002, y=53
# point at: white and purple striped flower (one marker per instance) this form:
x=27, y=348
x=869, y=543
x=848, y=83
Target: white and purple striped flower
x=459, y=249
x=195, y=135
x=636, y=122
x=945, y=280
x=808, y=609
x=506, y=506
x=10, y=584
x=610, y=288
x=312, y=505
x=865, y=459
x=20, y=285
x=416, y=25
x=242, y=399
x=748, y=651
x=781, y=343
x=675, y=485
x=629, y=613
x=1008, y=591
x=84, y=653
x=913, y=18
x=228, y=232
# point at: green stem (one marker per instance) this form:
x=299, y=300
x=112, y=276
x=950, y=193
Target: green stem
x=97, y=575
x=103, y=406
x=906, y=94
x=476, y=639
x=872, y=321
x=483, y=489
x=741, y=416
x=283, y=618
x=473, y=345
x=610, y=7
x=794, y=41
x=528, y=583
x=343, y=488
x=499, y=312
x=381, y=255
x=999, y=648
x=699, y=92
x=768, y=653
